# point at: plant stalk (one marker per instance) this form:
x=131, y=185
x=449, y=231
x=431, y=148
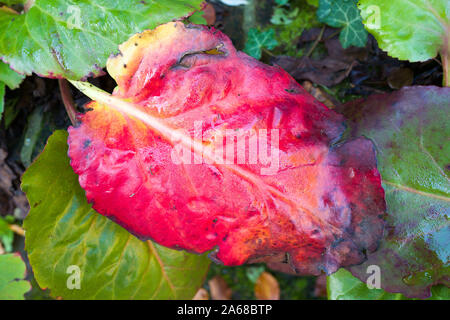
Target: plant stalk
x=68, y=102
x=445, y=68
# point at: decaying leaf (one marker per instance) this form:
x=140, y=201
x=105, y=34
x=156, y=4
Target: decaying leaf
x=201, y=294
x=302, y=199
x=410, y=130
x=219, y=289
x=267, y=288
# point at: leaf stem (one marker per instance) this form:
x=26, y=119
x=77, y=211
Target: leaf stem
x=317, y=41
x=68, y=102
x=17, y=229
x=445, y=68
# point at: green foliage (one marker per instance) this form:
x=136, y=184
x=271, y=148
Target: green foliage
x=409, y=129
x=12, y=270
x=302, y=17
x=258, y=40
x=10, y=78
x=197, y=18
x=10, y=111
x=6, y=234
x=254, y=272
x=32, y=132
x=12, y=2
x=281, y=15
x=281, y=2
x=408, y=30
x=344, y=14
x=343, y=286
x=61, y=38
x=63, y=230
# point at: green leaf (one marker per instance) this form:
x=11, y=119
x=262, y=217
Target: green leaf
x=197, y=18
x=287, y=35
x=314, y=3
x=440, y=293
x=10, y=111
x=343, y=286
x=11, y=78
x=257, y=40
x=12, y=269
x=11, y=2
x=32, y=132
x=6, y=235
x=253, y=273
x=282, y=2
x=410, y=131
x=408, y=30
x=344, y=14
x=62, y=38
x=282, y=16
x=63, y=230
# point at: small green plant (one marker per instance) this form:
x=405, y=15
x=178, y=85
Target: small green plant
x=345, y=15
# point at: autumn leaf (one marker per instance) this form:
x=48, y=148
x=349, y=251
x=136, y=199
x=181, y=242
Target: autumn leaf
x=149, y=157
x=219, y=289
x=201, y=294
x=267, y=288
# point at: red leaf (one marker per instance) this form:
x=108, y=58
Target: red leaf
x=322, y=204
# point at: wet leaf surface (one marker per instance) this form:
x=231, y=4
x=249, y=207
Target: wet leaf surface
x=305, y=212
x=409, y=30
x=410, y=131
x=62, y=230
x=343, y=286
x=73, y=40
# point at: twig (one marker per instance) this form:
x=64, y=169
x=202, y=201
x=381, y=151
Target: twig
x=69, y=104
x=268, y=52
x=17, y=229
x=316, y=42
x=445, y=67
x=333, y=34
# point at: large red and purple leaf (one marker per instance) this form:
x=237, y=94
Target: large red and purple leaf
x=319, y=204
x=410, y=130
